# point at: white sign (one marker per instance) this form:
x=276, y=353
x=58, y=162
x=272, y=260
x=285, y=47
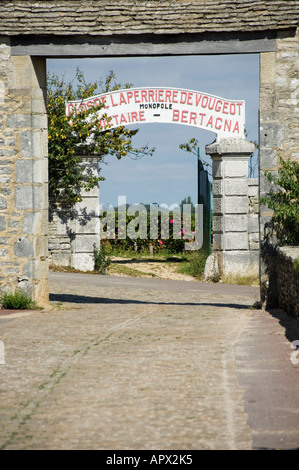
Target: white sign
x=167, y=105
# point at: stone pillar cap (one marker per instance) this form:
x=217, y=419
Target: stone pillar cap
x=230, y=145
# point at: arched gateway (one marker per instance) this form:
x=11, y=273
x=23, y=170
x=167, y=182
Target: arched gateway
x=233, y=224
x=31, y=31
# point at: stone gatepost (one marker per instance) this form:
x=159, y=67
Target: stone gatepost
x=23, y=175
x=74, y=231
x=231, y=250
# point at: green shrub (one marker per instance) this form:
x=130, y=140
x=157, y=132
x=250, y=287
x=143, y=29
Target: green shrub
x=296, y=264
x=17, y=301
x=101, y=259
x=284, y=200
x=195, y=265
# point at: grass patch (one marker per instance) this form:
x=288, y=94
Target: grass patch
x=193, y=264
x=17, y=301
x=127, y=271
x=240, y=280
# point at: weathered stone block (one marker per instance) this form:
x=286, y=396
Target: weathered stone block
x=2, y=223
x=235, y=169
x=268, y=159
x=253, y=223
x=29, y=197
x=218, y=205
x=29, y=170
x=271, y=134
x=236, y=223
x=89, y=207
x=83, y=261
x=61, y=259
x=84, y=243
x=217, y=188
x=23, y=248
x=236, y=241
x=236, y=205
x=241, y=263
x=30, y=143
x=32, y=223
x=18, y=120
x=236, y=187
x=3, y=203
x=218, y=241
x=89, y=225
x=217, y=169
x=217, y=223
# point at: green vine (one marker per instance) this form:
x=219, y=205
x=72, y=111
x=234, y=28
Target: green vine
x=82, y=130
x=283, y=199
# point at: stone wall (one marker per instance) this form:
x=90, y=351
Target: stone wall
x=73, y=232
x=23, y=174
x=283, y=278
x=279, y=129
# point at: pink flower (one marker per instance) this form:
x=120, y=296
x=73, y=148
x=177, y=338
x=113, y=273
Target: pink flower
x=183, y=231
x=160, y=241
x=171, y=221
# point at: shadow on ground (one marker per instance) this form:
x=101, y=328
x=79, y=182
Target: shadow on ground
x=82, y=299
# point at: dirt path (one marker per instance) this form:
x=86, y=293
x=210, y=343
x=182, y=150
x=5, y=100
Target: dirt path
x=145, y=268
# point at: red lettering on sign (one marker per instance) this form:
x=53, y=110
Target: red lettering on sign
x=232, y=108
x=190, y=98
x=174, y=96
x=210, y=105
x=123, y=119
x=227, y=125
x=175, y=115
x=129, y=96
x=122, y=99
x=143, y=95
x=202, y=116
x=183, y=97
x=193, y=117
x=198, y=99
x=239, y=106
x=217, y=125
x=168, y=95
x=236, y=128
x=113, y=104
x=210, y=122
x=225, y=106
x=141, y=116
x=151, y=95
x=204, y=102
x=136, y=96
x=218, y=105
x=184, y=117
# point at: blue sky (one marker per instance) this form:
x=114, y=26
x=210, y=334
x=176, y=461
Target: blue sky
x=170, y=174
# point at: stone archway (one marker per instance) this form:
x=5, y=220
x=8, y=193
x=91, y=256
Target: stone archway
x=74, y=234
x=73, y=29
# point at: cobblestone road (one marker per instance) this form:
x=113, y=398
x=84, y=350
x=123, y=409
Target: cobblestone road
x=120, y=363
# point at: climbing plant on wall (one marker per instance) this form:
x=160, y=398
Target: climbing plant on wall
x=81, y=130
x=283, y=198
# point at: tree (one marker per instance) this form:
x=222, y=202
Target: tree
x=283, y=198
x=82, y=130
